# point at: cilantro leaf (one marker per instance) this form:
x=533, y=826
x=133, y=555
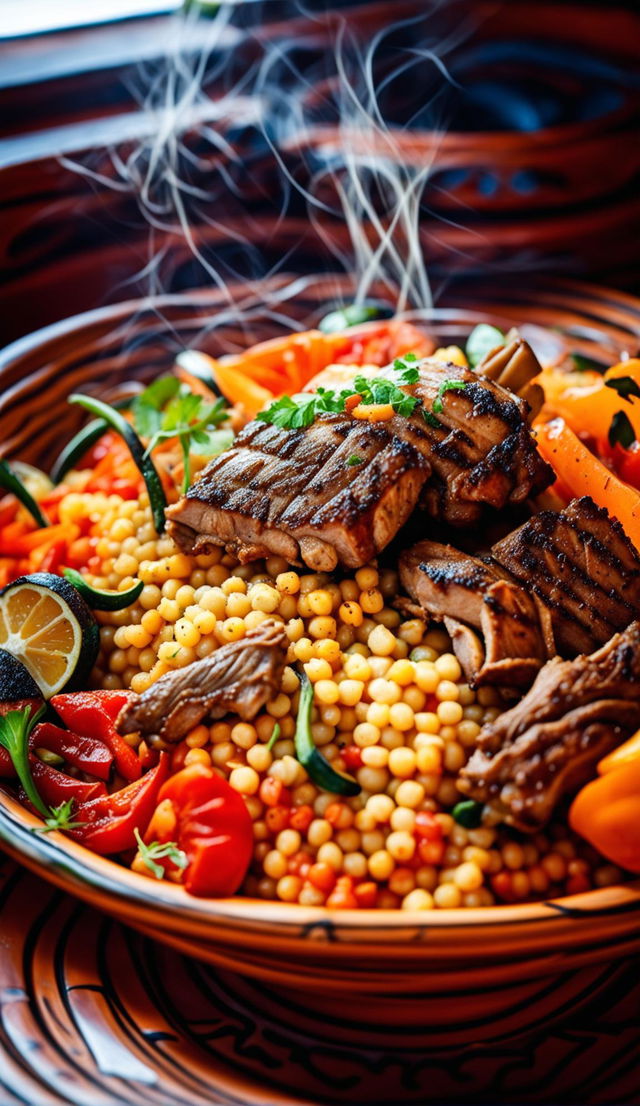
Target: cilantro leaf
x=621, y=431
x=354, y=459
x=405, y=367
x=431, y=420
x=626, y=387
x=158, y=850
x=447, y=386
x=60, y=818
x=15, y=727
x=168, y=409
x=290, y=412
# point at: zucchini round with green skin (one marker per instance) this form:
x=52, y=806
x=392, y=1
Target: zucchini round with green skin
x=12, y=483
x=100, y=599
x=354, y=314
x=16, y=682
x=317, y=767
x=141, y=458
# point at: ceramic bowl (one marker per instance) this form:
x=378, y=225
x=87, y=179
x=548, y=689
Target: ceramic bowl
x=444, y=976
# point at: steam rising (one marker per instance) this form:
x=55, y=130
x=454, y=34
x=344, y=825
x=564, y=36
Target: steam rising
x=241, y=127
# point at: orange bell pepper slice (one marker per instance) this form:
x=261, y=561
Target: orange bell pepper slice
x=623, y=755
x=583, y=474
x=585, y=402
x=607, y=814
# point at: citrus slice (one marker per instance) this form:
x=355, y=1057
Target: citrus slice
x=47, y=626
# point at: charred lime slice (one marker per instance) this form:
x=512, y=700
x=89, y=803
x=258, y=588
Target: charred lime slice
x=16, y=682
x=48, y=627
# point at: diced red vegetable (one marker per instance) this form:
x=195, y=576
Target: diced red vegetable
x=213, y=827
x=93, y=714
x=110, y=820
x=84, y=753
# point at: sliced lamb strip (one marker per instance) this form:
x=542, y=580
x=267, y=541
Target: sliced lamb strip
x=547, y=746
x=240, y=677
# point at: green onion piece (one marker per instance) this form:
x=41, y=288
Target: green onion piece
x=468, y=813
x=143, y=461
x=275, y=736
x=317, y=767
x=76, y=448
x=481, y=341
x=101, y=599
x=353, y=315
x=15, y=727
x=12, y=483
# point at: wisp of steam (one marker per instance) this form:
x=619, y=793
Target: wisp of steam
x=303, y=98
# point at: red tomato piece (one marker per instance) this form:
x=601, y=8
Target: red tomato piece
x=214, y=829
x=93, y=714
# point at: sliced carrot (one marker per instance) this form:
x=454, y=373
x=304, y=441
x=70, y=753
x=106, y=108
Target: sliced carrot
x=373, y=412
x=585, y=402
x=583, y=474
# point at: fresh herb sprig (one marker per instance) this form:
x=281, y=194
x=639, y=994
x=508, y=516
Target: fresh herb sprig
x=447, y=386
x=299, y=411
x=15, y=728
x=159, y=850
x=168, y=409
x=60, y=818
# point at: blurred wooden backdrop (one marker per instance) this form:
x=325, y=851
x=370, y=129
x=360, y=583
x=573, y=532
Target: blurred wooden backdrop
x=526, y=113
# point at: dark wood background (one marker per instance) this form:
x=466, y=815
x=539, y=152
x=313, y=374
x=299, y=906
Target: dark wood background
x=561, y=198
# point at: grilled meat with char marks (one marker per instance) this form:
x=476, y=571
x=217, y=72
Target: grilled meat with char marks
x=240, y=677
x=470, y=595
x=548, y=745
x=580, y=564
x=565, y=581
x=294, y=492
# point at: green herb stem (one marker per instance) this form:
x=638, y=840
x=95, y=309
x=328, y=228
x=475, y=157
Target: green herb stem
x=12, y=483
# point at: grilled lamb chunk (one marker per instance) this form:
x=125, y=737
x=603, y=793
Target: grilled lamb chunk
x=547, y=746
x=293, y=492
x=580, y=564
x=240, y=677
x=467, y=592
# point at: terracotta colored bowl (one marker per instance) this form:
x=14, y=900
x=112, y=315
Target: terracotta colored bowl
x=450, y=976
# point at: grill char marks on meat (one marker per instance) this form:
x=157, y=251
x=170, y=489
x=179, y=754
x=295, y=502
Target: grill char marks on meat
x=547, y=746
x=564, y=581
x=580, y=564
x=467, y=592
x=293, y=492
x=240, y=677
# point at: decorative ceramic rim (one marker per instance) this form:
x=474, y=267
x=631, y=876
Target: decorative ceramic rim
x=91, y=877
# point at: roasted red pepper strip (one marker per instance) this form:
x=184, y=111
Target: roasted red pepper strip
x=84, y=753
x=110, y=820
x=55, y=787
x=213, y=827
x=93, y=714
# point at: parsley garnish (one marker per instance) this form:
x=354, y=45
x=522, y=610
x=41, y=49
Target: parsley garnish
x=431, y=420
x=354, y=459
x=15, y=727
x=626, y=387
x=447, y=386
x=298, y=411
x=158, y=850
x=60, y=818
x=168, y=409
x=621, y=431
